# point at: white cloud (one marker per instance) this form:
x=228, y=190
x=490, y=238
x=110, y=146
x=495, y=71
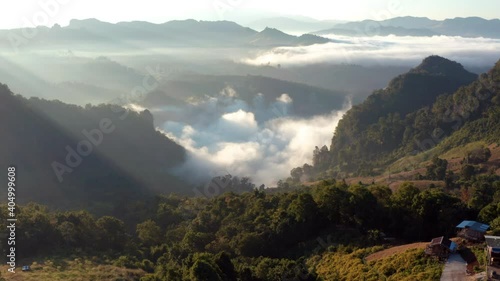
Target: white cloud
x=135, y=107
x=266, y=151
x=384, y=50
x=284, y=98
x=241, y=118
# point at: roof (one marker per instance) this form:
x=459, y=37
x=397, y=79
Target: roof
x=474, y=225
x=443, y=241
x=492, y=241
x=437, y=241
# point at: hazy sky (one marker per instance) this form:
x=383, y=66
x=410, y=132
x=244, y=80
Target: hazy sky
x=48, y=12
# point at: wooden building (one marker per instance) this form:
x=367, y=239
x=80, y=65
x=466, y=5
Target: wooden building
x=493, y=256
x=440, y=247
x=472, y=231
x=493, y=250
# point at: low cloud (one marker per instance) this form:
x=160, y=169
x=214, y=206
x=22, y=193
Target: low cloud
x=258, y=141
x=384, y=50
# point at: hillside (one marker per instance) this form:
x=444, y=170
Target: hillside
x=97, y=157
x=393, y=121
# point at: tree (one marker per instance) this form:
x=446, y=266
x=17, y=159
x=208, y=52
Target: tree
x=405, y=195
x=303, y=208
x=111, y=233
x=296, y=174
x=203, y=271
x=149, y=233
x=437, y=169
x=333, y=203
x=478, y=156
x=382, y=193
x=224, y=263
x=468, y=171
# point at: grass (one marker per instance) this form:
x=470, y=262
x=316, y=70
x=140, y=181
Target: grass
x=411, y=265
x=72, y=270
x=461, y=151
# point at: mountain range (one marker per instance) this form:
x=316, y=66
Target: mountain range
x=192, y=33
x=418, y=26
x=137, y=34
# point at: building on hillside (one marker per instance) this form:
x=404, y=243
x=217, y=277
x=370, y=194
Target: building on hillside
x=493, y=249
x=493, y=256
x=472, y=231
x=440, y=247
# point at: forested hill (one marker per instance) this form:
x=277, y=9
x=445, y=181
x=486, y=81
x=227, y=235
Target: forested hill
x=97, y=157
x=427, y=103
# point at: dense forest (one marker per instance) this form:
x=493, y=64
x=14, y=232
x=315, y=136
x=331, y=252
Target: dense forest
x=259, y=235
x=68, y=158
x=436, y=105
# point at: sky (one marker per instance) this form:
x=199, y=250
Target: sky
x=48, y=12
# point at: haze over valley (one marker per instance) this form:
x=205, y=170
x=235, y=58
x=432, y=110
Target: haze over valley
x=248, y=140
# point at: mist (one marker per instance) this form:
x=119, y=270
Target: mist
x=383, y=50
x=231, y=136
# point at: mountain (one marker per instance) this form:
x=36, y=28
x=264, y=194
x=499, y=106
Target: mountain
x=418, y=26
x=394, y=121
x=134, y=35
x=71, y=79
x=292, y=24
x=96, y=158
x=255, y=91
x=374, y=29
x=274, y=37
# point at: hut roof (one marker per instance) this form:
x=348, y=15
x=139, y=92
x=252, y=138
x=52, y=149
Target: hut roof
x=474, y=225
x=492, y=241
x=443, y=241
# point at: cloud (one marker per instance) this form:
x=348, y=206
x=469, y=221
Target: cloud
x=135, y=107
x=384, y=50
x=241, y=118
x=237, y=144
x=284, y=98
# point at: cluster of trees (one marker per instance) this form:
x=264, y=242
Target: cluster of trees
x=258, y=235
x=437, y=169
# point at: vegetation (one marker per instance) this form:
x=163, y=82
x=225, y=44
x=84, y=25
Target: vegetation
x=74, y=269
x=411, y=265
x=320, y=232
x=260, y=235
x=437, y=105
x=55, y=139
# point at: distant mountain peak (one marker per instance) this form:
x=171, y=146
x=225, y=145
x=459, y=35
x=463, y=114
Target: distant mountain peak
x=271, y=31
x=85, y=22
x=440, y=66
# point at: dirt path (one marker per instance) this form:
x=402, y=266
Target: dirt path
x=454, y=269
x=395, y=250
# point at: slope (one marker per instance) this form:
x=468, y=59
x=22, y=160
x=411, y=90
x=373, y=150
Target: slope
x=387, y=121
x=95, y=158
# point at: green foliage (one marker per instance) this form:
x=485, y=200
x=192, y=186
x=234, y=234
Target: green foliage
x=149, y=233
x=263, y=235
x=111, y=233
x=203, y=271
x=437, y=169
x=419, y=111
x=411, y=265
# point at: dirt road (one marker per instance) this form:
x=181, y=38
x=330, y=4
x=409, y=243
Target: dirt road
x=454, y=269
